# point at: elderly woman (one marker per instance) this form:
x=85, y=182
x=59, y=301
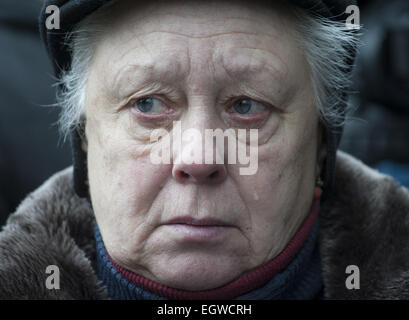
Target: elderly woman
x=296, y=227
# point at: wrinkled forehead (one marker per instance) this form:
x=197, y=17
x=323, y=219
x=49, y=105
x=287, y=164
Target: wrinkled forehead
x=157, y=38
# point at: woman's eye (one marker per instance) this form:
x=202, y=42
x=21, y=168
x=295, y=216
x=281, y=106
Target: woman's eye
x=247, y=106
x=149, y=105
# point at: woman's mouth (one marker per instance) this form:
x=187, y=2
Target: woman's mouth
x=193, y=229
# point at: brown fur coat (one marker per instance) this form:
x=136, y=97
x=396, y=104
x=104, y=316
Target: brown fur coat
x=365, y=222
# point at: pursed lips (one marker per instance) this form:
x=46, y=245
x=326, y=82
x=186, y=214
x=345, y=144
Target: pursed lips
x=193, y=229
x=204, y=222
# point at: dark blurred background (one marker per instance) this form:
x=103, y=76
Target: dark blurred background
x=30, y=149
x=29, y=142
x=377, y=132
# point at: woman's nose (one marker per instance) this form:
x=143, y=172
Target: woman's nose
x=199, y=173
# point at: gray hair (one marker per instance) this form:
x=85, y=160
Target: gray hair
x=327, y=45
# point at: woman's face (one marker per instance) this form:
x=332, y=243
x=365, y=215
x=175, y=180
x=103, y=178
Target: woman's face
x=209, y=65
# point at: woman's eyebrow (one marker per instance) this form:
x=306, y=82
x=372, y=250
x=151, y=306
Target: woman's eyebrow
x=261, y=61
x=129, y=74
x=164, y=68
x=141, y=79
x=249, y=64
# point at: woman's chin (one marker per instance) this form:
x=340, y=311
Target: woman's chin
x=197, y=274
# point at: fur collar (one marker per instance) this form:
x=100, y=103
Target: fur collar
x=364, y=222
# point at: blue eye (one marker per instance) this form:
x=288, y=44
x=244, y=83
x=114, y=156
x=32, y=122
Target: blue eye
x=247, y=106
x=149, y=105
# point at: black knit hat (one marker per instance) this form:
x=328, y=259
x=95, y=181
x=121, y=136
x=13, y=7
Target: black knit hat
x=73, y=11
